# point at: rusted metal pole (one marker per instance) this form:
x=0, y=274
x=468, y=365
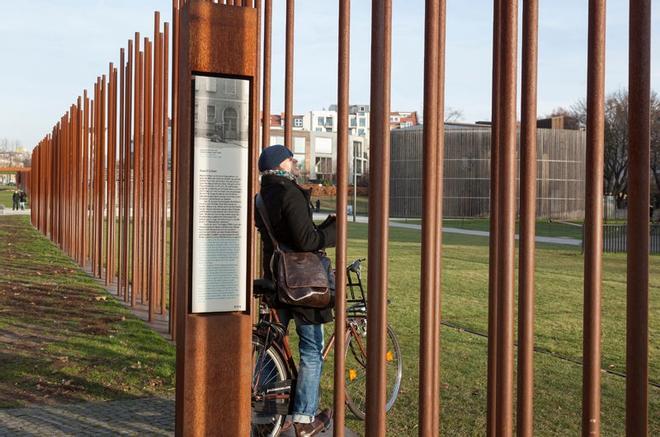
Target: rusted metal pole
x=343, y=60
x=174, y=136
x=148, y=187
x=154, y=165
x=637, y=317
x=137, y=147
x=86, y=179
x=165, y=68
x=379, y=184
x=593, y=220
x=112, y=147
x=439, y=170
x=525, y=386
x=102, y=173
x=493, y=327
x=288, y=74
x=128, y=168
x=121, y=174
x=427, y=391
x=507, y=211
x=265, y=114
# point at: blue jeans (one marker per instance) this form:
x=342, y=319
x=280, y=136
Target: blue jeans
x=306, y=399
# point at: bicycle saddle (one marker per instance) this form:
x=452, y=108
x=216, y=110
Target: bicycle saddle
x=263, y=286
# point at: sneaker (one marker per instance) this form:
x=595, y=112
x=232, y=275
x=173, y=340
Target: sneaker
x=320, y=422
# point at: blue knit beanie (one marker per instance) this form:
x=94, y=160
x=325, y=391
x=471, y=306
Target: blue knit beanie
x=272, y=156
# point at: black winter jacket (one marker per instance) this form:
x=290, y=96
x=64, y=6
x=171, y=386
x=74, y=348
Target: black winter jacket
x=290, y=214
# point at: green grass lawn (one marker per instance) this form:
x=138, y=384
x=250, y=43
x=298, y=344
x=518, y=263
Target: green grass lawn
x=102, y=349
x=329, y=204
x=544, y=228
x=558, y=333
x=5, y=195
x=62, y=338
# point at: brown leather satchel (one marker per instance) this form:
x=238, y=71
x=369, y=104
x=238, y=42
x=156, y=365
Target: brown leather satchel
x=301, y=278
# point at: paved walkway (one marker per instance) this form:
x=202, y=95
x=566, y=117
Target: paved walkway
x=9, y=211
x=144, y=416
x=550, y=240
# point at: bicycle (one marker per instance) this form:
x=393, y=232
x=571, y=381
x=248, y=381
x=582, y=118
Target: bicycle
x=274, y=370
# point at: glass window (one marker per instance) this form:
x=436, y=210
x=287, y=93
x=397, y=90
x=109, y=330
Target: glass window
x=230, y=87
x=210, y=84
x=328, y=121
x=297, y=122
x=353, y=122
x=210, y=113
x=363, y=122
x=361, y=132
x=320, y=121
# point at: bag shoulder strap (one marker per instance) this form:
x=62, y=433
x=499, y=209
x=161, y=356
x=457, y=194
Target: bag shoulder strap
x=263, y=213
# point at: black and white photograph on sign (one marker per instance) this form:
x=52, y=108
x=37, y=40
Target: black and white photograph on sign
x=220, y=184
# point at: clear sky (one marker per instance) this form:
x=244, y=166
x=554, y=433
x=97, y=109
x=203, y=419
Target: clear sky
x=50, y=50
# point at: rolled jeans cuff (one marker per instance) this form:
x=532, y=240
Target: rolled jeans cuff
x=302, y=418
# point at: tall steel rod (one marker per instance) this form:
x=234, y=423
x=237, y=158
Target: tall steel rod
x=637, y=312
x=507, y=211
x=379, y=184
x=128, y=168
x=85, y=193
x=165, y=90
x=427, y=391
x=111, y=180
x=593, y=220
x=343, y=74
x=268, y=31
x=174, y=136
x=147, y=183
x=288, y=74
x=493, y=326
x=439, y=170
x=137, y=146
x=121, y=175
x=525, y=412
x=102, y=173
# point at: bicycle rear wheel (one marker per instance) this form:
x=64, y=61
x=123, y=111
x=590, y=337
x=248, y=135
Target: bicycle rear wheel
x=356, y=369
x=271, y=389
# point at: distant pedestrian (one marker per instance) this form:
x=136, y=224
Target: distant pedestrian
x=22, y=198
x=318, y=205
x=15, y=201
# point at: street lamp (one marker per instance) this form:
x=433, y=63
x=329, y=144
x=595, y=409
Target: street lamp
x=354, y=183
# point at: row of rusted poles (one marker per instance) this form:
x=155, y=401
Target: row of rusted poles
x=343, y=61
x=637, y=334
x=101, y=175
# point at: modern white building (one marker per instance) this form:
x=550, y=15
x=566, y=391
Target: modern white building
x=316, y=153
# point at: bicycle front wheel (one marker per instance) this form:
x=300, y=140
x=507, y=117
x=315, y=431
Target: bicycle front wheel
x=356, y=369
x=271, y=389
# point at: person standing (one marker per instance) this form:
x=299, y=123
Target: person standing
x=14, y=200
x=289, y=211
x=22, y=198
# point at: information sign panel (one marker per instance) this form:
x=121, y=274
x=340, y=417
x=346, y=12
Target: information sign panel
x=220, y=194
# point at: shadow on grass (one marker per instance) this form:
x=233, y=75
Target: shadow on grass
x=62, y=337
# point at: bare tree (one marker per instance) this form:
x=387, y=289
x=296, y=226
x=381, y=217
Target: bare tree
x=616, y=139
x=453, y=114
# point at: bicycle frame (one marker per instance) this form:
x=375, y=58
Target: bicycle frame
x=356, y=310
